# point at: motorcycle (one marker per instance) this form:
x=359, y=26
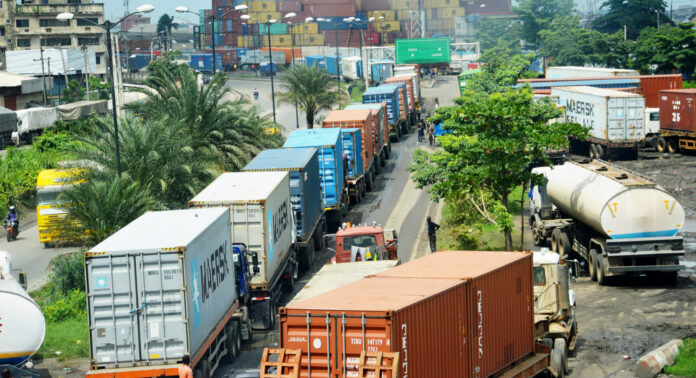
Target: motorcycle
x=12, y=228
x=256, y=95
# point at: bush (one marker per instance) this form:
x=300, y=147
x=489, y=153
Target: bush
x=71, y=306
x=18, y=173
x=67, y=272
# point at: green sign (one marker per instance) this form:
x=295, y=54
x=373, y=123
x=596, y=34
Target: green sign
x=423, y=51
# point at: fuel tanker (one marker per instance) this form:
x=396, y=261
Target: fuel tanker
x=618, y=221
x=22, y=324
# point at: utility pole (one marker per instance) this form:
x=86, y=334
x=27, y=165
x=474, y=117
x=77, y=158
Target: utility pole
x=338, y=76
x=84, y=50
x=43, y=73
x=50, y=74
x=292, y=40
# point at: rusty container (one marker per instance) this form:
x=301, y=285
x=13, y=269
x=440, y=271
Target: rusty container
x=678, y=110
x=651, y=85
x=356, y=118
x=474, y=324
x=409, y=88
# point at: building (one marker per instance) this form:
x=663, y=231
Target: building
x=16, y=91
x=32, y=25
x=134, y=20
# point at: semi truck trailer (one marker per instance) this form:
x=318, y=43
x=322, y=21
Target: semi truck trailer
x=617, y=221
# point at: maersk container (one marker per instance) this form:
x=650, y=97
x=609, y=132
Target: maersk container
x=305, y=191
x=388, y=95
x=469, y=316
x=351, y=68
x=352, y=149
x=382, y=121
x=315, y=60
x=572, y=72
x=612, y=116
x=328, y=144
x=159, y=288
x=260, y=217
x=380, y=70
x=332, y=67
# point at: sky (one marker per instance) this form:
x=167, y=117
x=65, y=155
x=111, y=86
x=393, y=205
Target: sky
x=114, y=8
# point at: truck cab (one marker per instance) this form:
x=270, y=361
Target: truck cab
x=363, y=242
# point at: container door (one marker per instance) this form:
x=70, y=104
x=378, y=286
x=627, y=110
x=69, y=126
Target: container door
x=247, y=222
x=161, y=306
x=357, y=333
x=617, y=129
x=327, y=172
x=111, y=295
x=297, y=179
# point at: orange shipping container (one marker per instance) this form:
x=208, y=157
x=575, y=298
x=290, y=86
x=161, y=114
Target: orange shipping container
x=409, y=88
x=356, y=118
x=288, y=52
x=442, y=327
x=403, y=112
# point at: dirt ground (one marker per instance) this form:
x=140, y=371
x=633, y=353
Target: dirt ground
x=621, y=322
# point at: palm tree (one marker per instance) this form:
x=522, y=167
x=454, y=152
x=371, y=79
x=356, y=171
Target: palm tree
x=310, y=88
x=166, y=24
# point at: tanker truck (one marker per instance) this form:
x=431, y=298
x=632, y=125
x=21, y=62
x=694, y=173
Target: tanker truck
x=617, y=221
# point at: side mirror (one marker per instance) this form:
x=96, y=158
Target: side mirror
x=255, y=262
x=22, y=279
x=298, y=216
x=574, y=267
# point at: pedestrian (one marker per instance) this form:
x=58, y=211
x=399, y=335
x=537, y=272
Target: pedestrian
x=437, y=103
x=432, y=237
x=6, y=373
x=256, y=94
x=185, y=368
x=421, y=131
x=430, y=72
x=350, y=89
x=431, y=134
x=15, y=137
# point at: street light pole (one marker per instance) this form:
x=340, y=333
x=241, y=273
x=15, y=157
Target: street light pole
x=292, y=41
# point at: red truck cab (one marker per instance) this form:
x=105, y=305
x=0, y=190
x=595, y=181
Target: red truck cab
x=358, y=243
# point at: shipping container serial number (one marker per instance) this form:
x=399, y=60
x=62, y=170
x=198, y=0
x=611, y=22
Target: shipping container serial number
x=373, y=345
x=167, y=274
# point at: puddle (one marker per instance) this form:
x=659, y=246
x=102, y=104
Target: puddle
x=689, y=225
x=690, y=265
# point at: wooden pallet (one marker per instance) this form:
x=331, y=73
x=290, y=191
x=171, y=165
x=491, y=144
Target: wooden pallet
x=386, y=364
x=286, y=363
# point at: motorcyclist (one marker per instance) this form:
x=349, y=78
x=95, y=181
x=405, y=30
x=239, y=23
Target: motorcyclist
x=256, y=94
x=13, y=217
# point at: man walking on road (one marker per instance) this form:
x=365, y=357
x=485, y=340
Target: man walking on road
x=432, y=228
x=185, y=370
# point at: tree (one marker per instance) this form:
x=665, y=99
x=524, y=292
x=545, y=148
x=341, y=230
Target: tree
x=634, y=15
x=502, y=69
x=103, y=88
x=490, y=31
x=666, y=50
x=166, y=24
x=310, y=88
x=73, y=92
x=494, y=140
x=537, y=15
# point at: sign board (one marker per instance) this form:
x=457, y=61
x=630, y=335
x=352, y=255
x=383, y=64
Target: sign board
x=423, y=51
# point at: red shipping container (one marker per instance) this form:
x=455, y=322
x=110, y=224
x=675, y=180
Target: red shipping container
x=290, y=6
x=409, y=88
x=360, y=119
x=651, y=85
x=333, y=10
x=473, y=325
x=678, y=110
x=374, y=5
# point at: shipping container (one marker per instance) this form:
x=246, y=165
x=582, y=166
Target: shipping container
x=331, y=9
x=379, y=110
x=381, y=70
x=678, y=111
x=412, y=71
x=260, y=217
x=403, y=100
x=373, y=5
x=154, y=288
x=361, y=119
x=333, y=65
x=389, y=96
x=423, y=51
x=276, y=28
x=352, y=150
x=615, y=119
x=571, y=72
x=204, y=62
x=285, y=50
x=409, y=89
x=316, y=60
x=388, y=15
x=310, y=40
x=328, y=144
x=351, y=68
x=476, y=324
x=256, y=57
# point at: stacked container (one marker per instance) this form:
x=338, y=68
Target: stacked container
x=449, y=314
x=333, y=65
x=381, y=123
x=361, y=119
x=403, y=100
x=390, y=97
x=352, y=150
x=409, y=89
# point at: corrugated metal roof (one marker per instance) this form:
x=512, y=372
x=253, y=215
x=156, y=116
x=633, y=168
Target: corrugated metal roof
x=282, y=158
x=348, y=115
x=241, y=186
x=601, y=92
x=313, y=138
x=13, y=80
x=161, y=229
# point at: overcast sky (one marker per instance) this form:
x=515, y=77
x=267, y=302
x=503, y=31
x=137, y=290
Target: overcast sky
x=114, y=8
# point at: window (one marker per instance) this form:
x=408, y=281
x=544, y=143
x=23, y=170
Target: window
x=23, y=42
x=2, y=31
x=224, y=3
x=74, y=1
x=98, y=59
x=56, y=42
x=229, y=26
x=655, y=116
x=88, y=41
x=86, y=21
x=539, y=276
x=22, y=23
x=0, y=4
x=51, y=22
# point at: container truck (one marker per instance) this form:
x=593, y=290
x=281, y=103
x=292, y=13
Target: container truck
x=404, y=113
x=305, y=195
x=383, y=144
x=677, y=121
x=617, y=221
x=575, y=72
x=615, y=119
x=362, y=119
x=351, y=68
x=33, y=121
x=316, y=60
x=8, y=124
x=410, y=94
x=331, y=169
x=169, y=284
x=204, y=62
x=255, y=57
x=333, y=65
x=353, y=242
x=23, y=325
x=478, y=324
x=380, y=70
x=412, y=73
x=261, y=219
x=390, y=97
x=356, y=187
x=267, y=68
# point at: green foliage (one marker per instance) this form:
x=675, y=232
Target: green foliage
x=19, y=171
x=53, y=140
x=67, y=273
x=689, y=84
x=491, y=32
x=311, y=88
x=635, y=15
x=102, y=89
x=502, y=69
x=537, y=15
x=72, y=306
x=493, y=141
x=685, y=361
x=166, y=23
x=158, y=68
x=668, y=49
x=73, y=92
x=66, y=340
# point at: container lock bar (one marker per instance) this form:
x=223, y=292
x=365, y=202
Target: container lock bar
x=139, y=310
x=328, y=345
x=343, y=331
x=363, y=321
x=309, y=348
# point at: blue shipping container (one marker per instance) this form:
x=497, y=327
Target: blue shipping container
x=400, y=85
x=337, y=23
x=352, y=150
x=332, y=65
x=315, y=60
x=328, y=143
x=390, y=95
x=381, y=70
x=139, y=61
x=305, y=190
x=204, y=62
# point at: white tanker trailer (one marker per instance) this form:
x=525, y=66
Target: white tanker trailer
x=22, y=324
x=618, y=221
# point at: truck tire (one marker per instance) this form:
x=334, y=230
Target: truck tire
x=269, y=316
x=289, y=283
x=555, y=235
x=536, y=235
x=307, y=258
x=591, y=265
x=561, y=344
x=672, y=146
x=202, y=370
x=319, y=241
x=669, y=278
x=368, y=181
x=557, y=362
x=593, y=151
x=600, y=152
x=661, y=145
x=602, y=278
x=232, y=344
x=564, y=246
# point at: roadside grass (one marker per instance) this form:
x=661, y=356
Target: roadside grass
x=685, y=362
x=66, y=340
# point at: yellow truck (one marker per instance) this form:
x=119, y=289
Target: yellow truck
x=50, y=209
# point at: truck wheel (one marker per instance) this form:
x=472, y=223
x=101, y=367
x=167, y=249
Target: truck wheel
x=561, y=344
x=564, y=246
x=661, y=145
x=307, y=258
x=669, y=278
x=231, y=342
x=535, y=234
x=289, y=283
x=555, y=235
x=672, y=146
x=591, y=267
x=368, y=181
x=602, y=279
x=600, y=152
x=269, y=320
x=593, y=151
x=202, y=370
x=557, y=362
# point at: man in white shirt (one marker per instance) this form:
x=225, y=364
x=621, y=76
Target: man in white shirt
x=15, y=137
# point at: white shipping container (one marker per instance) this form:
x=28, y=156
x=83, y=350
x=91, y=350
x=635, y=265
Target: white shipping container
x=349, y=67
x=414, y=79
x=260, y=216
x=577, y=72
x=158, y=288
x=612, y=116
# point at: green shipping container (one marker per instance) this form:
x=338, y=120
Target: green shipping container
x=423, y=51
x=275, y=29
x=465, y=76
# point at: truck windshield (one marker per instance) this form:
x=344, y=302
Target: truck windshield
x=539, y=276
x=48, y=197
x=362, y=241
